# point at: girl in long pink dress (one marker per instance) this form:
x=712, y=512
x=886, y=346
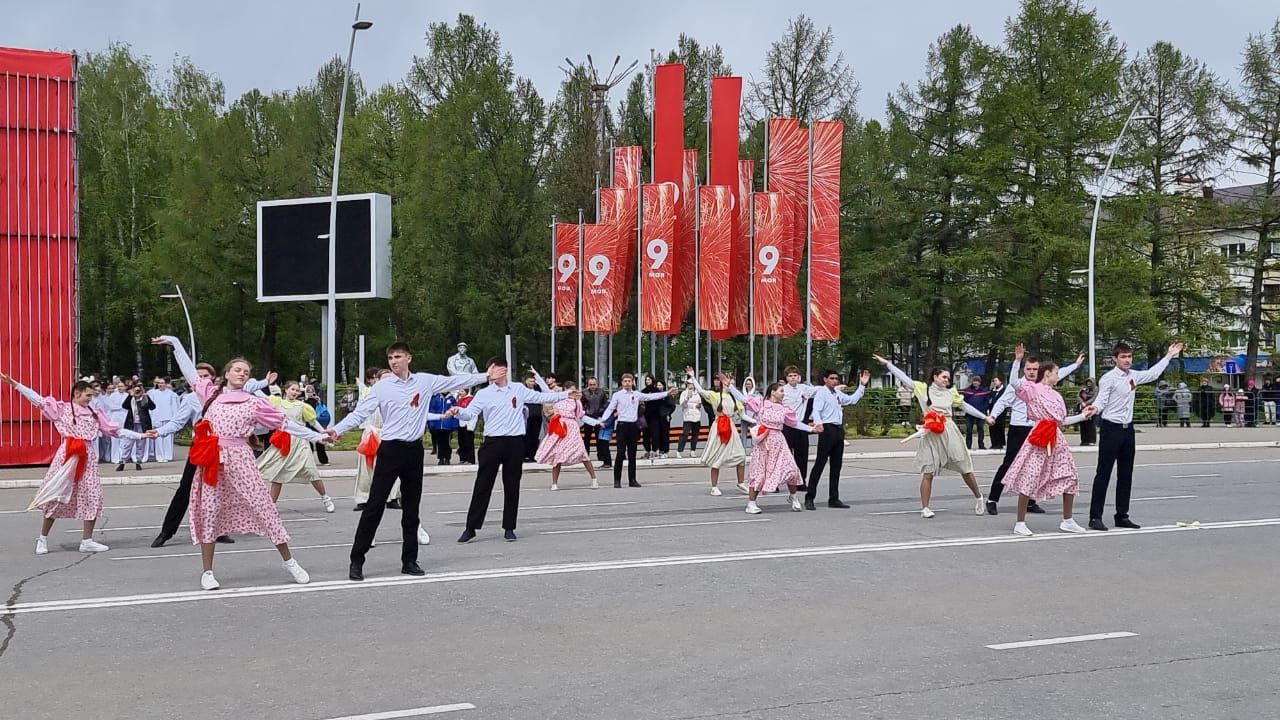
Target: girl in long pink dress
x=80, y=426
x=772, y=464
x=563, y=444
x=228, y=494
x=1044, y=467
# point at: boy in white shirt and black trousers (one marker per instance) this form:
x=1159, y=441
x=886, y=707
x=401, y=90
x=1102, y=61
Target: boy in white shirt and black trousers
x=1115, y=438
x=502, y=404
x=626, y=403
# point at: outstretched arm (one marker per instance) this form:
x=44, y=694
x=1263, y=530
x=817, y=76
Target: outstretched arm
x=972, y=411
x=31, y=395
x=180, y=356
x=903, y=379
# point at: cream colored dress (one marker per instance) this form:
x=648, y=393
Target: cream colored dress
x=719, y=453
x=944, y=450
x=299, y=465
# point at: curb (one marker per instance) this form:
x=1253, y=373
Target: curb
x=431, y=470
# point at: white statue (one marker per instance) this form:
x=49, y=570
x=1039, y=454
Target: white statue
x=461, y=364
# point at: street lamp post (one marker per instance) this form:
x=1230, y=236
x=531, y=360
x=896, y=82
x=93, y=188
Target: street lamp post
x=239, y=316
x=191, y=330
x=330, y=340
x=1093, y=234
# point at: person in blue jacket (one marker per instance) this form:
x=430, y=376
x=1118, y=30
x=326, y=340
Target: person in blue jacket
x=442, y=430
x=979, y=396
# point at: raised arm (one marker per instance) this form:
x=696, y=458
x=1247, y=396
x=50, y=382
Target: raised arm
x=537, y=378
x=531, y=397
x=903, y=379
x=180, y=356
x=361, y=412
x=50, y=407
x=696, y=386
x=453, y=383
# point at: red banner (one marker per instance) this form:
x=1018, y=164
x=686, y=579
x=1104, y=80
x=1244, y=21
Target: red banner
x=598, y=282
x=566, y=274
x=726, y=103
x=824, y=258
x=617, y=210
x=789, y=176
x=658, y=224
x=740, y=256
x=627, y=163
x=770, y=219
x=685, y=247
x=668, y=123
x=626, y=166
x=716, y=220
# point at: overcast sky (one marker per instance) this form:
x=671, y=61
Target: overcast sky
x=279, y=44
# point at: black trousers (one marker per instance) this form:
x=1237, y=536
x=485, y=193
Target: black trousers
x=505, y=452
x=402, y=460
x=660, y=427
x=689, y=431
x=466, y=445
x=798, y=442
x=1115, y=448
x=970, y=424
x=178, y=505
x=830, y=451
x=322, y=455
x=532, y=431
x=603, y=454
x=997, y=433
x=1088, y=432
x=441, y=445
x=627, y=434
x=1013, y=443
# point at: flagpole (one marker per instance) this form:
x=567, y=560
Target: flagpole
x=639, y=283
x=808, y=290
x=751, y=288
x=765, y=171
x=581, y=249
x=604, y=381
x=554, y=260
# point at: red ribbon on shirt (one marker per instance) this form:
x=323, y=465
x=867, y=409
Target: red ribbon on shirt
x=724, y=428
x=1044, y=434
x=935, y=421
x=557, y=426
x=77, y=448
x=205, y=452
x=282, y=441
x=414, y=401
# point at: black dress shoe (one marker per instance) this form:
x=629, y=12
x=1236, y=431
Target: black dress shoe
x=802, y=487
x=467, y=536
x=358, y=507
x=607, y=465
x=837, y=504
x=1097, y=525
x=808, y=505
x=1127, y=523
x=160, y=540
x=395, y=505
x=633, y=483
x=993, y=507
x=355, y=572
x=120, y=467
x=509, y=536
x=412, y=568
x=137, y=466
x=1035, y=509
x=224, y=539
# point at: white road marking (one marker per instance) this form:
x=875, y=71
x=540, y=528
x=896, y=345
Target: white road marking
x=904, y=512
x=162, y=556
x=596, y=566
x=544, y=507
x=411, y=713
x=1062, y=640
x=651, y=527
x=1175, y=477
x=157, y=527
x=1164, y=497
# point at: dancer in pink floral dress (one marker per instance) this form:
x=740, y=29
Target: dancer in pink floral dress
x=772, y=464
x=1044, y=467
x=228, y=494
x=563, y=444
x=73, y=475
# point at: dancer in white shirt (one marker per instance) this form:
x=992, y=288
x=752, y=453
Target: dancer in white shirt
x=796, y=396
x=626, y=404
x=828, y=422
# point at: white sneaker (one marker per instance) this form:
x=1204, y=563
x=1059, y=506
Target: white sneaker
x=753, y=508
x=208, y=581
x=423, y=537
x=980, y=506
x=715, y=491
x=795, y=503
x=1070, y=526
x=92, y=546
x=1022, y=529
x=744, y=489
x=595, y=484
x=300, y=576
x=555, y=486
x=926, y=513
x=328, y=503
x=42, y=545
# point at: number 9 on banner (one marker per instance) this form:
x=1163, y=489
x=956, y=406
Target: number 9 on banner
x=598, y=266
x=566, y=265
x=657, y=250
x=769, y=257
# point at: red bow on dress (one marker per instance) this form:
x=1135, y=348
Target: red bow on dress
x=761, y=431
x=724, y=428
x=935, y=421
x=77, y=448
x=557, y=426
x=205, y=452
x=282, y=441
x=1044, y=434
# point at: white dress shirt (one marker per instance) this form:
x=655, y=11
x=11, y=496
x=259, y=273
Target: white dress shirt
x=827, y=404
x=503, y=407
x=1117, y=389
x=402, y=418
x=795, y=396
x=627, y=404
x=1010, y=397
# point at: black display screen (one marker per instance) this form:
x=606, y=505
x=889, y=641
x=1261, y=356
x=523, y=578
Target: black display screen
x=295, y=257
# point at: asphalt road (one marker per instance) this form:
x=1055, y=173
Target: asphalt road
x=664, y=602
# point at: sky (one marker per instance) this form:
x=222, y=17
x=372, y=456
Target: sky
x=280, y=44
